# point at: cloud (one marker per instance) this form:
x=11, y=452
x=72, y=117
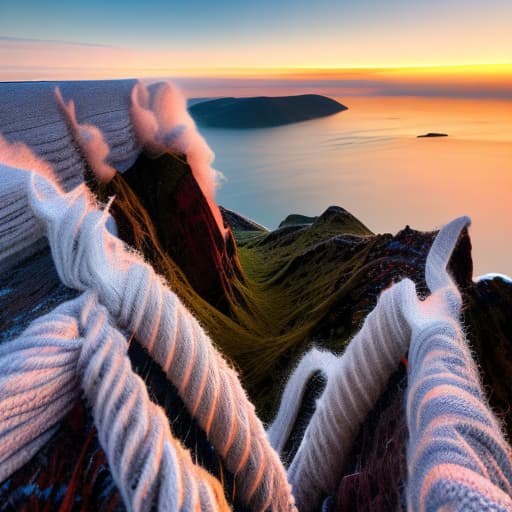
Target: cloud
x=18, y=155
x=90, y=140
x=24, y=40
x=163, y=125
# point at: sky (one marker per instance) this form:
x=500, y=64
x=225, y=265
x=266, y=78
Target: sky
x=261, y=39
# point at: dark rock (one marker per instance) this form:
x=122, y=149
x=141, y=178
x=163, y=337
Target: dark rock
x=185, y=226
x=431, y=134
x=488, y=321
x=238, y=222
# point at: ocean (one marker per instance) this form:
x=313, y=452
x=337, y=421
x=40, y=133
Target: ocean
x=369, y=160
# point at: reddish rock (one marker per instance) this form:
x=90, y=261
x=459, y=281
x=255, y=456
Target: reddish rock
x=186, y=227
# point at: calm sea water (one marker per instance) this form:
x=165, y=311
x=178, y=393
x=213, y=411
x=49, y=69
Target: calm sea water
x=369, y=161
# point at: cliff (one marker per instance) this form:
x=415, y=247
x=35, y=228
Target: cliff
x=184, y=225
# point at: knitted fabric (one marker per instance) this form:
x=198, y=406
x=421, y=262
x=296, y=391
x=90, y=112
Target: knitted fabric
x=97, y=126
x=457, y=456
x=357, y=379
x=88, y=257
x=314, y=360
x=29, y=113
x=41, y=373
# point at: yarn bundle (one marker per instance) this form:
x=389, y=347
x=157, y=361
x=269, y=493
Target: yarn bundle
x=76, y=346
x=357, y=378
x=89, y=258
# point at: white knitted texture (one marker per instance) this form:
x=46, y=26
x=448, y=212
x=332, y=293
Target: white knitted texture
x=438, y=257
x=314, y=360
x=18, y=226
x=88, y=257
x=29, y=114
x=359, y=378
x=41, y=371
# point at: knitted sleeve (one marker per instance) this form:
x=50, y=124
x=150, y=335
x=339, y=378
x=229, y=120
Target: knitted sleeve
x=457, y=456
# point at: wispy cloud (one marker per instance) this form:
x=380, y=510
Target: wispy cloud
x=22, y=40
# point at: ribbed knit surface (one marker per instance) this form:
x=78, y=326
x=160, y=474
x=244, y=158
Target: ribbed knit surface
x=353, y=386
x=314, y=360
x=29, y=113
x=359, y=376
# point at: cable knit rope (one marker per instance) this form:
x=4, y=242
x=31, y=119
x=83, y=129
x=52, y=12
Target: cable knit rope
x=87, y=257
x=457, y=457
x=357, y=381
x=41, y=371
x=438, y=258
x=351, y=391
x=314, y=360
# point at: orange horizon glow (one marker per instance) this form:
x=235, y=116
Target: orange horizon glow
x=477, y=68
x=120, y=70
x=53, y=60
x=25, y=60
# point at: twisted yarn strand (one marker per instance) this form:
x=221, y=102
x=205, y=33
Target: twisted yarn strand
x=358, y=379
x=314, y=360
x=87, y=257
x=457, y=457
x=41, y=375
x=142, y=453
x=352, y=389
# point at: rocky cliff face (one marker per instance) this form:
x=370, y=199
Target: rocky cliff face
x=185, y=227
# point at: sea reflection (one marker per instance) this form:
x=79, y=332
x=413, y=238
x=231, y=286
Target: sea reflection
x=369, y=161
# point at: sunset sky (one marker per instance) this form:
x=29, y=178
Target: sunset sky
x=353, y=42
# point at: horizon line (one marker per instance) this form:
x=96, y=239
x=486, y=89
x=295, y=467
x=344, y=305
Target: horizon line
x=290, y=71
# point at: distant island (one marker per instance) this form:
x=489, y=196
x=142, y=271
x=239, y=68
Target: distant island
x=431, y=134
x=296, y=219
x=263, y=111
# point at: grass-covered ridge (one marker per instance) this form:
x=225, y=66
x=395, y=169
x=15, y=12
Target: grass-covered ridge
x=310, y=282
x=300, y=285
